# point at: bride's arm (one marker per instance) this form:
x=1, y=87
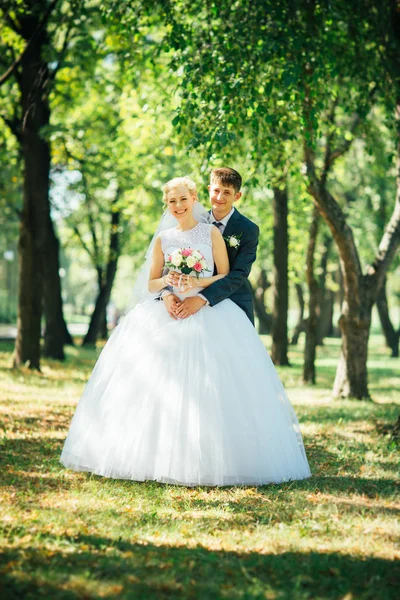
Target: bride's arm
x=220, y=256
x=156, y=281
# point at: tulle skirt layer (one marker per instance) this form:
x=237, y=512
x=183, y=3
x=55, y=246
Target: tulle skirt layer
x=193, y=402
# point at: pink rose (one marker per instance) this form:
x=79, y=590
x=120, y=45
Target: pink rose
x=186, y=252
x=169, y=258
x=197, y=267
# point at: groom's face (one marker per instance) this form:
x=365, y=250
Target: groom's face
x=222, y=198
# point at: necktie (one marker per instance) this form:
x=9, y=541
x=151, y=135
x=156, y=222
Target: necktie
x=218, y=224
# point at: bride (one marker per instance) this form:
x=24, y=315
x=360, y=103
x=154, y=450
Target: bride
x=193, y=401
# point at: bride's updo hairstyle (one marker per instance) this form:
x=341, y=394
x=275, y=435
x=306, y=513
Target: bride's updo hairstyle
x=185, y=181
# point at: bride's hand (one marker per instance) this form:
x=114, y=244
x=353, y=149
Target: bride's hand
x=180, y=281
x=171, y=278
x=186, y=283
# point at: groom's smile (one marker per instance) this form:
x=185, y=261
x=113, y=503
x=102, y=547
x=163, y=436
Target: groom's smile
x=222, y=198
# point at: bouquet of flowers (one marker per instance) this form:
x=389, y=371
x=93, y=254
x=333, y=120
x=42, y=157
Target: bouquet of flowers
x=187, y=261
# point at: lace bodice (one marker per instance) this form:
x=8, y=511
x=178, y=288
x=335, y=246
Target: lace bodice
x=198, y=238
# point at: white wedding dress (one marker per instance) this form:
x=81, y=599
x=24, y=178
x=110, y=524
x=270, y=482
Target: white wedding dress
x=195, y=401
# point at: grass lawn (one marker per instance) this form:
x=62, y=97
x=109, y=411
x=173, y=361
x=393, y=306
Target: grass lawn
x=68, y=535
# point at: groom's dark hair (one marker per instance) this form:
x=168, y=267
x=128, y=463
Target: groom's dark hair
x=227, y=176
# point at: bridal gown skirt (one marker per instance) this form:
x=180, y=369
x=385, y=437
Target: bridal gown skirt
x=193, y=402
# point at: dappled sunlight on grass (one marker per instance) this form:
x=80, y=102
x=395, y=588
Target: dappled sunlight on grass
x=76, y=535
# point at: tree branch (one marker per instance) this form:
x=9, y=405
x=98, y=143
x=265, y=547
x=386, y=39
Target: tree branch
x=29, y=44
x=14, y=125
x=389, y=243
x=6, y=76
x=329, y=139
x=82, y=241
x=95, y=254
x=312, y=241
x=17, y=74
x=61, y=55
x=332, y=155
x=12, y=23
x=336, y=220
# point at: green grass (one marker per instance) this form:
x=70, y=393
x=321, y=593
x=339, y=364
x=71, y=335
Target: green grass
x=68, y=535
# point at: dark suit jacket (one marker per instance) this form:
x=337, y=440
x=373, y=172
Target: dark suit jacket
x=235, y=285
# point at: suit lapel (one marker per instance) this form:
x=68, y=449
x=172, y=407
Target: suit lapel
x=229, y=230
x=232, y=224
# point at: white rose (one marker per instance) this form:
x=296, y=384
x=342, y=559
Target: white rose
x=233, y=242
x=176, y=260
x=191, y=261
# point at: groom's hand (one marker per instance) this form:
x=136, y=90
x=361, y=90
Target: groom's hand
x=189, y=307
x=171, y=304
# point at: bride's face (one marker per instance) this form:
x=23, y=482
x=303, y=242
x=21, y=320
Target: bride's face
x=180, y=202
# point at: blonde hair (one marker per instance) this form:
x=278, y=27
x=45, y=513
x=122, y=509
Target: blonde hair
x=185, y=181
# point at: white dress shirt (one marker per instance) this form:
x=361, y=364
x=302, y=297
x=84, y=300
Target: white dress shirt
x=224, y=221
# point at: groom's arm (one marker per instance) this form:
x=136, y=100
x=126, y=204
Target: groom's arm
x=240, y=269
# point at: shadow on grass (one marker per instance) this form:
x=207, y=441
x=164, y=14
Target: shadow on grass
x=346, y=459
x=115, y=568
x=352, y=410
x=33, y=469
x=31, y=465
x=38, y=460
x=286, y=503
x=346, y=485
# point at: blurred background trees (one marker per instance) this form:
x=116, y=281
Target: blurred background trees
x=102, y=102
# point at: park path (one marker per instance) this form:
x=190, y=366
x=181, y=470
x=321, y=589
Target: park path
x=9, y=331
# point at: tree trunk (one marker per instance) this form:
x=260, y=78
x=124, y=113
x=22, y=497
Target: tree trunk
x=351, y=375
x=396, y=429
x=301, y=322
x=103, y=298
x=97, y=320
x=341, y=285
x=325, y=322
x=325, y=304
x=313, y=292
x=104, y=327
x=281, y=281
x=264, y=318
x=68, y=341
x=36, y=208
x=56, y=329
x=391, y=335
x=360, y=292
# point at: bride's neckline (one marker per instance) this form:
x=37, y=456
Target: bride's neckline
x=186, y=230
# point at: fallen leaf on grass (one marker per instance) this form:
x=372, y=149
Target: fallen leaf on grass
x=111, y=591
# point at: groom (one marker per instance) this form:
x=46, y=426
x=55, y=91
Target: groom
x=241, y=237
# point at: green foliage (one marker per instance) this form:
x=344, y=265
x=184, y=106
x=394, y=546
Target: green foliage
x=10, y=205
x=144, y=91
x=365, y=182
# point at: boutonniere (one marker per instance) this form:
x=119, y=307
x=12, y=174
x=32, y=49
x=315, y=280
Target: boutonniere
x=233, y=241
